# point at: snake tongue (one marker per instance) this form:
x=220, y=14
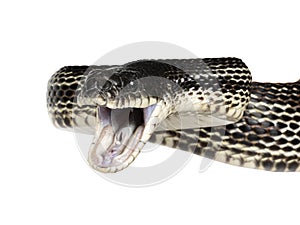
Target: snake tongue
x=119, y=137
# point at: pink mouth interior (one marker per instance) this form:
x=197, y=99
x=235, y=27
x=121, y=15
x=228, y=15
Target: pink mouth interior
x=118, y=135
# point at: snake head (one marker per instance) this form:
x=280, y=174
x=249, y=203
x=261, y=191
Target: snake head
x=131, y=102
x=134, y=85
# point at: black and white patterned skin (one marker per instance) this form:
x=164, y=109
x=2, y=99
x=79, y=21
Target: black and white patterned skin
x=262, y=129
x=267, y=137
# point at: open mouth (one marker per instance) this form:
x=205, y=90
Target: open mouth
x=119, y=137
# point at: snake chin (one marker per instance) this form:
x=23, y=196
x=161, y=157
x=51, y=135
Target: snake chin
x=119, y=137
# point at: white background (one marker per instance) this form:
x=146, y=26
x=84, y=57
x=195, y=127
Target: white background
x=44, y=179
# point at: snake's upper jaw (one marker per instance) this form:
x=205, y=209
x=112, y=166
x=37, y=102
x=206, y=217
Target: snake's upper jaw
x=119, y=137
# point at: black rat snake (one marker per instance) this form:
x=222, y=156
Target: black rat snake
x=210, y=107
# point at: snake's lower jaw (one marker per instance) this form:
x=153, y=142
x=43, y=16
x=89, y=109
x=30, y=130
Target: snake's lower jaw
x=120, y=136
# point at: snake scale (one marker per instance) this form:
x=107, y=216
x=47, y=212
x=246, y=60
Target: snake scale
x=209, y=107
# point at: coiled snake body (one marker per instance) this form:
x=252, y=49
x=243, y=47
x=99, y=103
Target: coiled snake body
x=207, y=106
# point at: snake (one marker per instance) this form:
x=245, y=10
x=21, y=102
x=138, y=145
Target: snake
x=209, y=107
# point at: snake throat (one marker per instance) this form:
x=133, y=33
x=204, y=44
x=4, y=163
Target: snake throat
x=119, y=137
